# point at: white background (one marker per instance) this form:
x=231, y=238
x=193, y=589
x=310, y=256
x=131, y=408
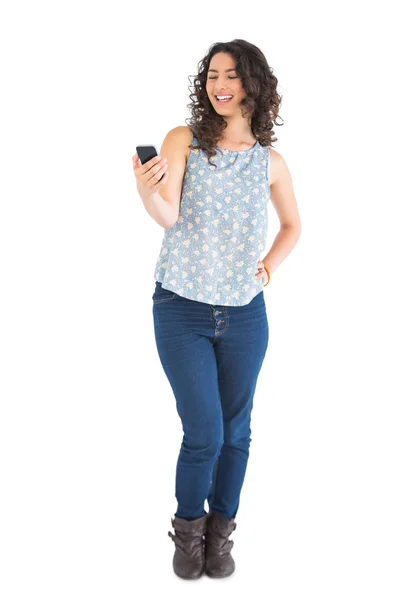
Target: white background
x=89, y=434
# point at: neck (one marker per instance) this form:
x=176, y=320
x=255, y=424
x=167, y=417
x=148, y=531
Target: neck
x=238, y=131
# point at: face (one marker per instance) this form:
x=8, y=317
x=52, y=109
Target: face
x=223, y=80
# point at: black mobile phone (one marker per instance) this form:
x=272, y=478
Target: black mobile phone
x=146, y=153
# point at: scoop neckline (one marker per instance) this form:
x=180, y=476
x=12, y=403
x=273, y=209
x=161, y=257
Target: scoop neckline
x=239, y=151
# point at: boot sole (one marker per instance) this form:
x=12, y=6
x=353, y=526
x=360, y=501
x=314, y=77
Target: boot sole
x=213, y=576
x=189, y=578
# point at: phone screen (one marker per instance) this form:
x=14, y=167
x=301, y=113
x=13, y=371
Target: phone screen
x=146, y=153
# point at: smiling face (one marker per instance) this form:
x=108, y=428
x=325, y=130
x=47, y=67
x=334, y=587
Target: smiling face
x=222, y=80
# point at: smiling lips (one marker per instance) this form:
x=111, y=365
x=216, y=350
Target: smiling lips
x=223, y=99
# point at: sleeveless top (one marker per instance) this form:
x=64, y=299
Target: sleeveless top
x=211, y=253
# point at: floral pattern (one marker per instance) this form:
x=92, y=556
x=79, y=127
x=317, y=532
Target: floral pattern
x=211, y=253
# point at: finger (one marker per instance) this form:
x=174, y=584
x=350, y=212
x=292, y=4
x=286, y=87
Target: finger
x=136, y=161
x=155, y=173
x=153, y=166
x=162, y=181
x=150, y=163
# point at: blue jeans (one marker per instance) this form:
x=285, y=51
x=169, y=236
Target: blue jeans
x=211, y=355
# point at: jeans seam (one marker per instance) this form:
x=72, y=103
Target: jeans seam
x=164, y=299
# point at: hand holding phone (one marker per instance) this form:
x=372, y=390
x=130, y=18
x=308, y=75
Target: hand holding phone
x=150, y=169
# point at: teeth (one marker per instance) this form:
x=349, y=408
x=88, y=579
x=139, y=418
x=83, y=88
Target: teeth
x=223, y=97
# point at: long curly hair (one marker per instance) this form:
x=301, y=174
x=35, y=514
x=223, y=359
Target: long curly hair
x=262, y=101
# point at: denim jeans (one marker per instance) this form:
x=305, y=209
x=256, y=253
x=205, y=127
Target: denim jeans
x=212, y=356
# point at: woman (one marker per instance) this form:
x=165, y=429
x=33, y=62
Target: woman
x=210, y=320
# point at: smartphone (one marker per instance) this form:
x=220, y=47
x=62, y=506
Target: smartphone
x=146, y=153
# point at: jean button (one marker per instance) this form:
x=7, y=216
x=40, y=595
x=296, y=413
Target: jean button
x=219, y=322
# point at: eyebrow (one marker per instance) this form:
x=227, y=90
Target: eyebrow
x=215, y=71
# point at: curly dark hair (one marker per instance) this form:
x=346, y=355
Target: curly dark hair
x=262, y=101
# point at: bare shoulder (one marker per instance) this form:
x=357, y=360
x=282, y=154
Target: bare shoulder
x=179, y=138
x=282, y=193
x=175, y=149
x=277, y=165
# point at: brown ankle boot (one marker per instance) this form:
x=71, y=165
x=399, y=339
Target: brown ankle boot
x=188, y=561
x=218, y=559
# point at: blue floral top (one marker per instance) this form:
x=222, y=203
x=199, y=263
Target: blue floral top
x=211, y=253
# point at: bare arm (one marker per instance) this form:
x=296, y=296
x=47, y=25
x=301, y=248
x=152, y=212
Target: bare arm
x=163, y=205
x=284, y=202
x=159, y=210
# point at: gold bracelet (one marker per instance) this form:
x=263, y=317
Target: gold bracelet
x=269, y=275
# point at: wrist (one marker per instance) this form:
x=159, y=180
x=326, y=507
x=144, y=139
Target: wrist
x=268, y=266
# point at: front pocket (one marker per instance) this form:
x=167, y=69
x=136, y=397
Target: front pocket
x=162, y=295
